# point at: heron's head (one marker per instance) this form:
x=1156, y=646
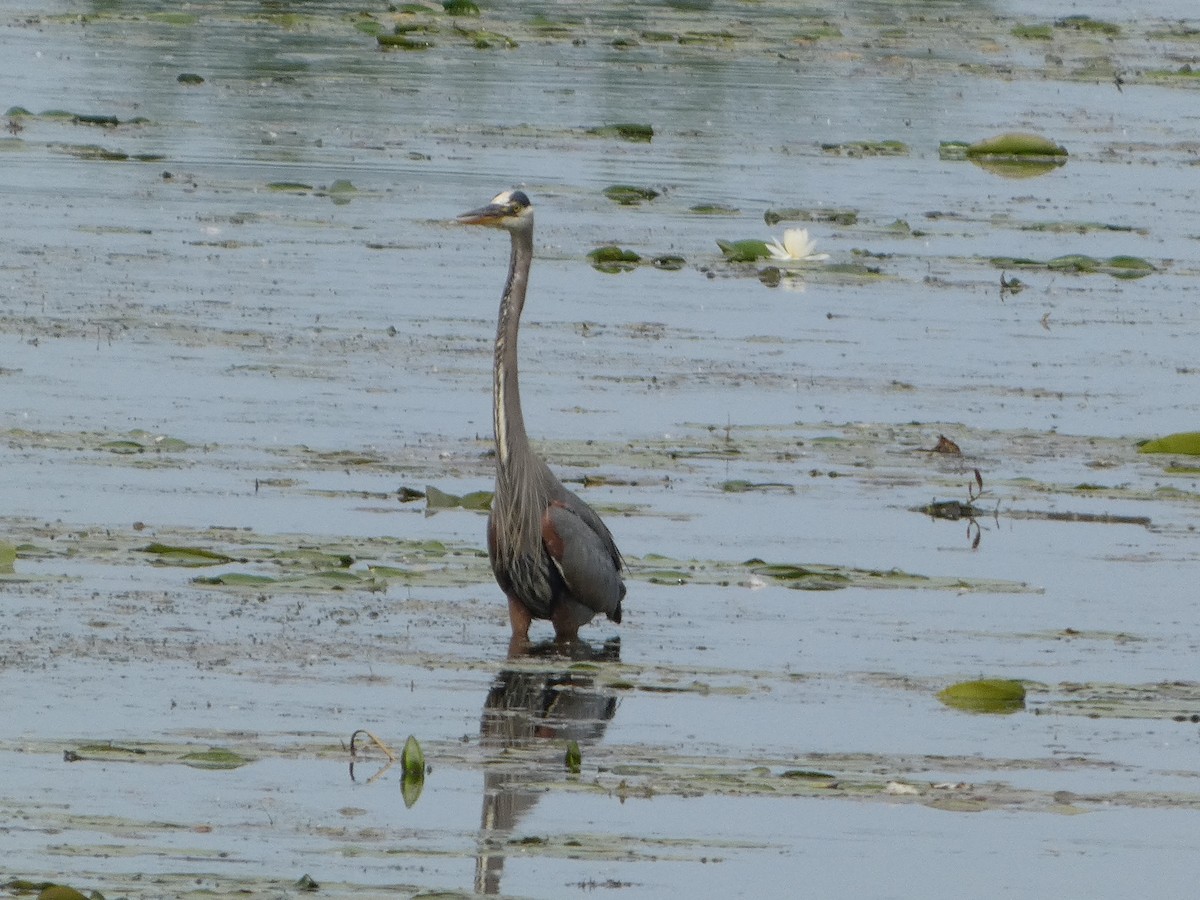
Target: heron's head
x=510, y=209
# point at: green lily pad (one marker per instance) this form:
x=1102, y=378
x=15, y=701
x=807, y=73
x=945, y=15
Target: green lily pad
x=1033, y=32
x=460, y=8
x=1087, y=23
x=988, y=695
x=612, y=259
x=744, y=251
x=612, y=253
x=1184, y=443
x=480, y=501
x=668, y=263
x=1016, y=143
x=60, y=892
x=714, y=209
x=836, y=216
x=169, y=554
x=234, y=579
x=8, y=558
x=214, y=758
x=412, y=758
x=628, y=195
x=401, y=42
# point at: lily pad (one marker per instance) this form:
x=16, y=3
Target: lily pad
x=412, y=758
x=628, y=195
x=460, y=8
x=214, y=758
x=744, y=251
x=613, y=259
x=836, y=216
x=8, y=558
x=169, y=554
x=1184, y=443
x=987, y=695
x=1087, y=23
x=668, y=263
x=60, y=892
x=1016, y=143
x=480, y=501
x=401, y=42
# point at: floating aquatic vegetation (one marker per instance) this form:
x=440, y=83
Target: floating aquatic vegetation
x=92, y=151
x=435, y=499
x=1033, y=32
x=485, y=40
x=1013, y=154
x=634, y=132
x=401, y=42
x=713, y=209
x=289, y=187
x=1087, y=23
x=738, y=486
x=668, y=263
x=340, y=192
x=1079, y=227
x=629, y=195
x=1184, y=71
x=1080, y=264
x=611, y=259
x=816, y=32
x=867, y=148
x=987, y=695
x=807, y=578
x=8, y=558
x=214, y=758
x=573, y=758
x=65, y=892
x=189, y=78
x=412, y=763
x=460, y=8
x=1184, y=443
x=412, y=758
x=171, y=555
x=836, y=216
x=744, y=251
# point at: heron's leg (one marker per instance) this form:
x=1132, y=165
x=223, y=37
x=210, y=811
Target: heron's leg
x=519, y=616
x=566, y=630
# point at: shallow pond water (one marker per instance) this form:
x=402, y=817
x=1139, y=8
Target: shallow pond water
x=241, y=321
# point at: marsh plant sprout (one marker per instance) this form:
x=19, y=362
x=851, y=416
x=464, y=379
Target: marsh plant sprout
x=797, y=246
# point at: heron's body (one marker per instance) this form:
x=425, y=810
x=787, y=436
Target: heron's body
x=550, y=552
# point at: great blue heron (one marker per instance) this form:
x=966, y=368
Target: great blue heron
x=550, y=552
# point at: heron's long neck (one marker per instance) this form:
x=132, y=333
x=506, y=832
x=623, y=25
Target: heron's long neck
x=511, y=440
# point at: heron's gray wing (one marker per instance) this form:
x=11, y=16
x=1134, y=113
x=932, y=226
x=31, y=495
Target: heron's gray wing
x=593, y=521
x=584, y=558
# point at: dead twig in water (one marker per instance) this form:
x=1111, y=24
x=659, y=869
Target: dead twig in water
x=375, y=740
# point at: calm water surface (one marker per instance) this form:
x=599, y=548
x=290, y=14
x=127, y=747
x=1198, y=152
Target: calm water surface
x=181, y=295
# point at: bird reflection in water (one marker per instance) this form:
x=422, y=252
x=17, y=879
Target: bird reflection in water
x=528, y=708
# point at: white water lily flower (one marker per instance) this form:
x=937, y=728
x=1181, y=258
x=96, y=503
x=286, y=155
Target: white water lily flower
x=796, y=246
